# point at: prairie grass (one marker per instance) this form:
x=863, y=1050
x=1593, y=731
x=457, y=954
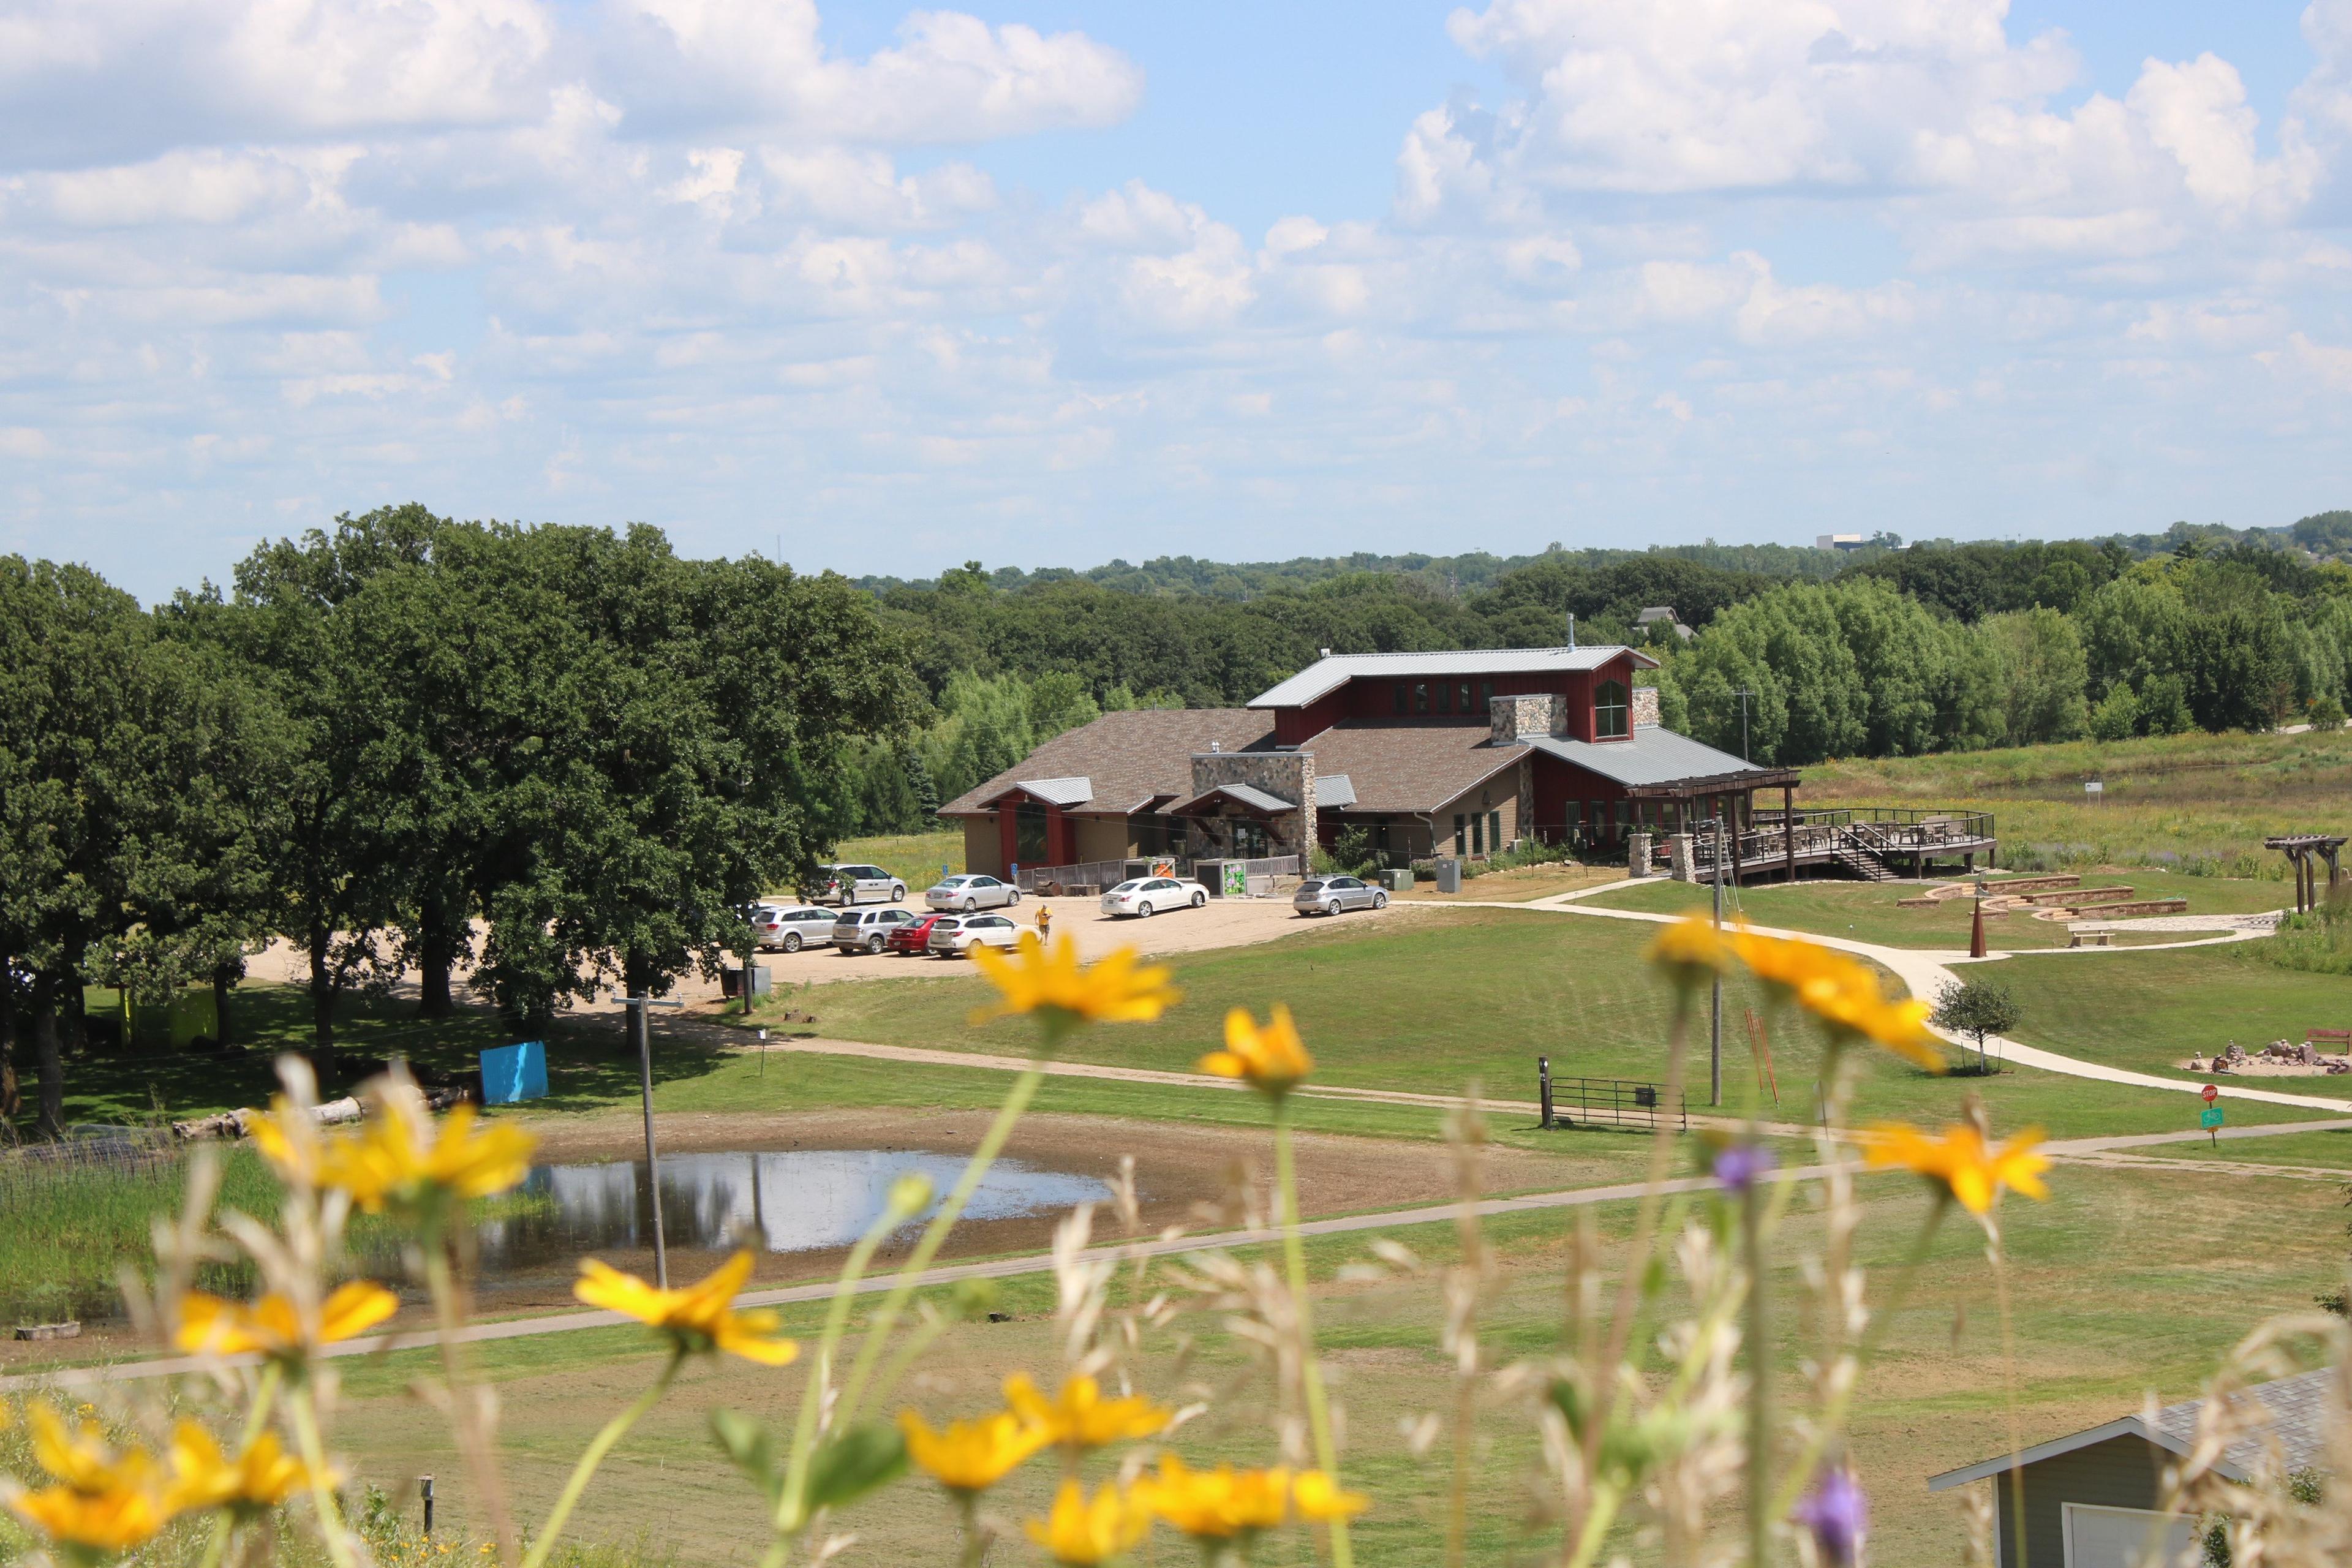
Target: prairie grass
x=2196, y=804
x=914, y=858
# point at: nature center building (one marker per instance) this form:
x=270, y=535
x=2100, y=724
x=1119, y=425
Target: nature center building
x=1461, y=753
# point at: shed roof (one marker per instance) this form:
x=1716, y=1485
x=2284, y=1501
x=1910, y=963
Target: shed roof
x=1060, y=791
x=1128, y=759
x=1329, y=674
x=1333, y=791
x=1651, y=755
x=2294, y=1411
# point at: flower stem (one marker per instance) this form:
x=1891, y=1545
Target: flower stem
x=1310, y=1369
x=465, y=1408
x=1759, y=1393
x=314, y=1457
x=594, y=1456
x=1024, y=1089
x=256, y=1418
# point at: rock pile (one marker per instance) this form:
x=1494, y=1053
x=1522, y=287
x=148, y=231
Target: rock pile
x=2277, y=1054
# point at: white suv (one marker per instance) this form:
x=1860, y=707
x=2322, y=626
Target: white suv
x=954, y=936
x=857, y=885
x=866, y=930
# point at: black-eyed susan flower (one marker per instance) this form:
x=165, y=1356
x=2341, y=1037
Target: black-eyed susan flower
x=1051, y=984
x=1083, y=1531
x=1963, y=1163
x=259, y=1478
x=1318, y=1498
x=1078, y=1416
x=273, y=1325
x=403, y=1159
x=1844, y=993
x=970, y=1457
x=699, y=1318
x=1272, y=1059
x=1222, y=1504
x=102, y=1500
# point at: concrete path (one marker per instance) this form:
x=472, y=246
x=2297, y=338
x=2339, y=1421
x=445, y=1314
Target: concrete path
x=2077, y=1148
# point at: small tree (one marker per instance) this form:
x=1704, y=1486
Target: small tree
x=1977, y=1008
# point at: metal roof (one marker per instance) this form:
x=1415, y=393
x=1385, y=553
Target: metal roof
x=1247, y=794
x=1060, y=791
x=1334, y=791
x=1326, y=676
x=2296, y=1408
x=1653, y=755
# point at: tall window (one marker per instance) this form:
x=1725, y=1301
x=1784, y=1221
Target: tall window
x=1486, y=696
x=1495, y=831
x=1445, y=697
x=1609, y=710
x=1460, y=833
x=1478, y=835
x=1465, y=698
x=1403, y=697
x=1421, y=697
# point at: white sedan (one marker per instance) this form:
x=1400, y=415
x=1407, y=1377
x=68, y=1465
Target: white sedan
x=1147, y=896
x=954, y=936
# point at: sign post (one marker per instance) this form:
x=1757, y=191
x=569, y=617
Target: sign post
x=2210, y=1118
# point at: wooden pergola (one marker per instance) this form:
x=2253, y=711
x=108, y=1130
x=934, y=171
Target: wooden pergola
x=2304, y=852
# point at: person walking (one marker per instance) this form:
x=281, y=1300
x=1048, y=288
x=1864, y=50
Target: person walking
x=1045, y=920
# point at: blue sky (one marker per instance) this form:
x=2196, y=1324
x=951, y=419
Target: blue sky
x=1050, y=283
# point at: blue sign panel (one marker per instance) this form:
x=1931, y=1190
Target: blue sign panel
x=514, y=1072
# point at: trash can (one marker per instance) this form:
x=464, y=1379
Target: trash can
x=1449, y=875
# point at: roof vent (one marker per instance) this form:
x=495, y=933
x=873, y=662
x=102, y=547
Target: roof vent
x=1323, y=653
x=1571, y=631
x=1216, y=745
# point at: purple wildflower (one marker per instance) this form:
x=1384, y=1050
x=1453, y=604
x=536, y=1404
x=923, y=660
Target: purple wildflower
x=1838, y=1515
x=1738, y=1166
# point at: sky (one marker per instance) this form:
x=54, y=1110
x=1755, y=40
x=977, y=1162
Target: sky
x=1043, y=283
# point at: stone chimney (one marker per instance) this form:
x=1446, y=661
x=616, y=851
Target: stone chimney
x=1540, y=713
x=1645, y=706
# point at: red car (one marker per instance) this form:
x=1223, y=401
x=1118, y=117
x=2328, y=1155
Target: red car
x=910, y=936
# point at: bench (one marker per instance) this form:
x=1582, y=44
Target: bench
x=2329, y=1038
x=2090, y=939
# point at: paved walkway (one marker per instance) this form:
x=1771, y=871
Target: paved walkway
x=2089, y=1150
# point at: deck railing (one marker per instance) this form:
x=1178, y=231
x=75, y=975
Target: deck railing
x=1098, y=873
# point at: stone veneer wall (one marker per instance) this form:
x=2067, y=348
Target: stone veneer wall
x=1646, y=705
x=1539, y=713
x=1286, y=775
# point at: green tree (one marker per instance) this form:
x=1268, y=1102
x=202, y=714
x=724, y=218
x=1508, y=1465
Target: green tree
x=1788, y=648
x=1978, y=1008
x=2044, y=675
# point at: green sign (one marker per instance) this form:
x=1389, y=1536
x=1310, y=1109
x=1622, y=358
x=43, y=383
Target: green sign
x=2210, y=1117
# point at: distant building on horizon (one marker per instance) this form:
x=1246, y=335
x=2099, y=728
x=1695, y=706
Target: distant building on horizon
x=1839, y=541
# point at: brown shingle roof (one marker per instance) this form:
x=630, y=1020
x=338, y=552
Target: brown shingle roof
x=1128, y=757
x=1409, y=765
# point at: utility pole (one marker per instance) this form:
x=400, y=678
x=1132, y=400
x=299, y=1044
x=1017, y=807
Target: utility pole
x=639, y=1026
x=1743, y=694
x=1715, y=1021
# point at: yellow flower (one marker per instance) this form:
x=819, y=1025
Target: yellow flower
x=698, y=1318
x=971, y=1455
x=401, y=1158
x=1084, y=1531
x=288, y=1139
x=1317, y=1496
x=1843, y=993
x=1273, y=1060
x=1963, y=1161
x=1035, y=979
x=1080, y=1417
x=1219, y=1504
x=103, y=1500
x=263, y=1476
x=209, y=1325
x=1691, y=951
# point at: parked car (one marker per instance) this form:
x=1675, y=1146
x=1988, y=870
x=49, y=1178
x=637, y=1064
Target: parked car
x=1329, y=895
x=954, y=936
x=1147, y=896
x=868, y=931
x=912, y=937
x=792, y=927
x=972, y=892
x=849, y=884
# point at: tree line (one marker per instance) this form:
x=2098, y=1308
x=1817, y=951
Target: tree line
x=568, y=755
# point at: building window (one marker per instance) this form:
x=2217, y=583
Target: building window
x=1445, y=697
x=1609, y=712
x=1249, y=839
x=1421, y=697
x=1463, y=699
x=1403, y=697
x=1495, y=831
x=1478, y=835
x=1461, y=832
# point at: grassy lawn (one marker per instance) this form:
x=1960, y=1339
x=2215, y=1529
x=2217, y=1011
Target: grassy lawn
x=2326, y=1150
x=2195, y=802
x=1868, y=912
x=2148, y=1010
x=914, y=858
x=2123, y=1282
x=1434, y=1008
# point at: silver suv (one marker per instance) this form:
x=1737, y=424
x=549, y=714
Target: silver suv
x=848, y=885
x=866, y=930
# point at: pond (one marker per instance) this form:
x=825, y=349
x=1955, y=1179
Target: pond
x=800, y=1200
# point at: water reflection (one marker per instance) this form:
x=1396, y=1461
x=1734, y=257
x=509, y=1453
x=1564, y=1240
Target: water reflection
x=790, y=1201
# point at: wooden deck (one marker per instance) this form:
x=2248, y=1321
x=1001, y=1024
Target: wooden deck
x=1873, y=844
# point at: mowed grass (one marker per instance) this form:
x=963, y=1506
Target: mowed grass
x=1475, y=996
x=2124, y=1283
x=2148, y=1011
x=2193, y=802
x=914, y=858
x=1871, y=911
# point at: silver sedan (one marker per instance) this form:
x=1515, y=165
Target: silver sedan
x=1329, y=895
x=970, y=892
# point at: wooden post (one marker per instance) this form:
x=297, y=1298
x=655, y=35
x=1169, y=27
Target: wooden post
x=1788, y=827
x=425, y=1490
x=1543, y=1087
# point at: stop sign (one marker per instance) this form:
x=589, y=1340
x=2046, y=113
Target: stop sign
x=2210, y=1092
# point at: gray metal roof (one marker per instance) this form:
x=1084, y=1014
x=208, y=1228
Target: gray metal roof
x=1328, y=675
x=1060, y=791
x=2296, y=1408
x=1248, y=795
x=1653, y=755
x=1335, y=791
